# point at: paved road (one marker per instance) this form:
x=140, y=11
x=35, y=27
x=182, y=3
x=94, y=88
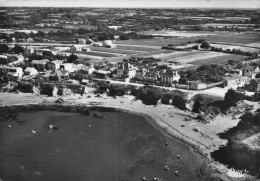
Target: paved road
x=215, y=91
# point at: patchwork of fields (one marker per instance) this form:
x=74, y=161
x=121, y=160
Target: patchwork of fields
x=152, y=48
x=238, y=38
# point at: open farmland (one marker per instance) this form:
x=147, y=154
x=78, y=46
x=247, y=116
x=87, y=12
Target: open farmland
x=157, y=42
x=198, y=57
x=137, y=48
x=176, y=54
x=242, y=48
x=241, y=38
x=237, y=38
x=93, y=53
x=221, y=59
x=256, y=44
x=114, y=50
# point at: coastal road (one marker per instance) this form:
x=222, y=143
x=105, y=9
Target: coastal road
x=215, y=91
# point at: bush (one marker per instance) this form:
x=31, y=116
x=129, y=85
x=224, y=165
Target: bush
x=166, y=99
x=47, y=89
x=25, y=87
x=205, y=45
x=179, y=102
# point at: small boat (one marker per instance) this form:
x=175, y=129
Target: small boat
x=33, y=131
x=178, y=156
x=9, y=126
x=157, y=179
x=177, y=173
x=145, y=179
x=166, y=168
x=50, y=126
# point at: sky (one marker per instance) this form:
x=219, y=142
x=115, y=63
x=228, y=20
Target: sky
x=248, y=4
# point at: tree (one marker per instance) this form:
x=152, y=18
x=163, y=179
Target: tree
x=18, y=49
x=196, y=106
x=232, y=97
x=179, y=102
x=124, y=37
x=205, y=45
x=4, y=48
x=47, y=53
x=72, y=58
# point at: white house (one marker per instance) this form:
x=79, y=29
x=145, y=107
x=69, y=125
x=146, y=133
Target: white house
x=107, y=42
x=70, y=67
x=15, y=59
x=97, y=44
x=12, y=73
x=76, y=48
x=85, y=49
x=30, y=71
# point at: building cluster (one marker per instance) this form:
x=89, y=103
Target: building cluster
x=14, y=67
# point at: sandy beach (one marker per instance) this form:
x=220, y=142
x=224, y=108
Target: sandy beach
x=166, y=117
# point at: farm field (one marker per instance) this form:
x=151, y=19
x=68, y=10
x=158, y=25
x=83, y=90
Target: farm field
x=176, y=33
x=98, y=54
x=242, y=48
x=242, y=38
x=220, y=60
x=114, y=50
x=197, y=57
x=192, y=58
x=176, y=54
x=233, y=38
x=256, y=44
x=136, y=48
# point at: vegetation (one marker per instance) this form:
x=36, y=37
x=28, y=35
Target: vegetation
x=4, y=48
x=25, y=86
x=18, y=49
x=72, y=58
x=206, y=73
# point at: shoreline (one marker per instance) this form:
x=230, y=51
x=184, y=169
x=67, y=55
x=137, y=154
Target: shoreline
x=167, y=119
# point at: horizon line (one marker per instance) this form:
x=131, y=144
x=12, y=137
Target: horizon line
x=116, y=7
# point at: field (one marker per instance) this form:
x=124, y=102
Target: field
x=238, y=38
x=220, y=60
x=176, y=33
x=242, y=48
x=197, y=57
x=115, y=50
x=256, y=44
x=98, y=54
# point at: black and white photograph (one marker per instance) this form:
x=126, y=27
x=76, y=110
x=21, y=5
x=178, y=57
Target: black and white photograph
x=129, y=90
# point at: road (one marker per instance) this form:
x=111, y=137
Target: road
x=215, y=91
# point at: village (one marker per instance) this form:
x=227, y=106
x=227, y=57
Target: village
x=61, y=63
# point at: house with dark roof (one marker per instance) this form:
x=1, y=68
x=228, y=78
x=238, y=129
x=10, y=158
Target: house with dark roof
x=168, y=77
x=251, y=71
x=151, y=76
x=235, y=80
x=40, y=65
x=59, y=75
x=125, y=70
x=196, y=85
x=54, y=65
x=139, y=75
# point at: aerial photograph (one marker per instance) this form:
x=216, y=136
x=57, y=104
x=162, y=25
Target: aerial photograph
x=129, y=90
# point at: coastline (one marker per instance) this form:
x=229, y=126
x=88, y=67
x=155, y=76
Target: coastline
x=163, y=117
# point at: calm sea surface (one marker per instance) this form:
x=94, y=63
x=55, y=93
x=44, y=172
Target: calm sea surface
x=112, y=146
